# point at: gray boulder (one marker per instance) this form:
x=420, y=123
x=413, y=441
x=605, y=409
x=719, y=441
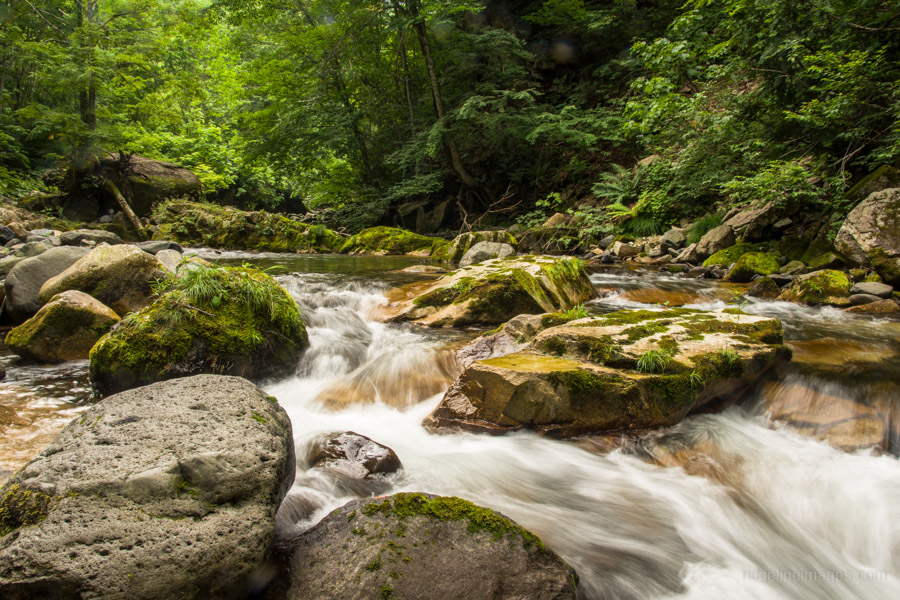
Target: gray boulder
x=673, y=238
x=23, y=284
x=6, y=234
x=870, y=235
x=688, y=255
x=623, y=250
x=753, y=224
x=74, y=238
x=353, y=455
x=156, y=246
x=860, y=299
x=882, y=290
x=170, y=259
x=716, y=239
x=420, y=546
x=483, y=251
x=165, y=491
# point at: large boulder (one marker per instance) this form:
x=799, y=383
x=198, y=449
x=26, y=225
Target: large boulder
x=492, y=292
x=420, y=546
x=97, y=236
x=391, y=240
x=821, y=287
x=166, y=491
x=674, y=238
x=759, y=223
x=714, y=240
x=457, y=248
x=626, y=370
x=199, y=224
x=66, y=328
x=121, y=277
x=223, y=320
x=24, y=282
x=870, y=235
x=752, y=264
x=153, y=180
x=483, y=251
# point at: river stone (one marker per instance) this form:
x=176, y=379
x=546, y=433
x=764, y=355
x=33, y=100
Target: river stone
x=6, y=234
x=118, y=276
x=714, y=240
x=166, y=491
x=483, y=251
x=156, y=246
x=98, y=236
x=170, y=259
x=492, y=292
x=420, y=546
x=66, y=328
x=624, y=250
x=23, y=284
x=860, y=299
x=30, y=249
x=764, y=287
x=819, y=287
x=352, y=455
x=870, y=235
x=688, y=255
x=673, y=238
x=624, y=370
x=882, y=290
x=881, y=307
x=454, y=251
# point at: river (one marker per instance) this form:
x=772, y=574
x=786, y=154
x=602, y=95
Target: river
x=748, y=503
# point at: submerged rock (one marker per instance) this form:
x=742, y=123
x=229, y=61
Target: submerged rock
x=121, y=277
x=66, y=328
x=167, y=491
x=624, y=370
x=494, y=291
x=420, y=546
x=199, y=224
x=229, y=321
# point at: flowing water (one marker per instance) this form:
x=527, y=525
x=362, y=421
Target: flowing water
x=792, y=494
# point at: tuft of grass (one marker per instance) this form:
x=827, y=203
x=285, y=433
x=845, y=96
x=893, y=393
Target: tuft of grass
x=701, y=227
x=653, y=361
x=641, y=226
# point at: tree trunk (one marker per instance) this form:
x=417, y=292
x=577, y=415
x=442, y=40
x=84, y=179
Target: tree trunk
x=113, y=190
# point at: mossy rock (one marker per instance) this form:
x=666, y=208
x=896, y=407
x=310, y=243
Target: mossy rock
x=821, y=255
x=633, y=369
x=752, y=264
x=493, y=291
x=765, y=288
x=412, y=545
x=820, y=287
x=200, y=224
x=730, y=255
x=793, y=247
x=390, y=240
x=66, y=328
x=453, y=251
x=248, y=326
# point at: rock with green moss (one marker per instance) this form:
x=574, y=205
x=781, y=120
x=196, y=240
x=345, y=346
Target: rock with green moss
x=751, y=264
x=121, y=277
x=821, y=287
x=457, y=248
x=421, y=546
x=66, y=328
x=870, y=235
x=764, y=287
x=166, y=491
x=222, y=320
x=730, y=255
x=391, y=240
x=628, y=370
x=198, y=224
x=494, y=291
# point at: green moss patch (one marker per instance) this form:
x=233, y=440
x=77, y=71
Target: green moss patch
x=20, y=507
x=729, y=256
x=751, y=264
x=390, y=240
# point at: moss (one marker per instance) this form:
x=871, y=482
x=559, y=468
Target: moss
x=768, y=331
x=633, y=317
x=570, y=279
x=258, y=417
x=20, y=507
x=668, y=344
x=580, y=382
x=56, y=323
x=642, y=331
x=764, y=287
x=888, y=267
x=827, y=286
x=498, y=297
x=390, y=240
x=714, y=366
x=752, y=264
x=438, y=297
x=729, y=256
x=552, y=345
x=386, y=592
x=670, y=389
x=174, y=336
x=793, y=247
x=443, y=508
x=602, y=351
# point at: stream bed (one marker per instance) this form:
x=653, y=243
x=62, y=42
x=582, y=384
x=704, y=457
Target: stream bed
x=793, y=493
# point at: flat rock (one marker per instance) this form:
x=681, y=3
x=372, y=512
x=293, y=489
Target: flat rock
x=420, y=546
x=881, y=307
x=156, y=246
x=859, y=299
x=166, y=491
x=882, y=290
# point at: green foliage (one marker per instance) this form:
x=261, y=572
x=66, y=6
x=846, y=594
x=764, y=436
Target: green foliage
x=653, y=361
x=701, y=227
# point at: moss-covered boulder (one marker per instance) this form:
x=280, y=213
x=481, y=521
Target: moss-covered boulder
x=730, y=255
x=554, y=239
x=494, y=291
x=221, y=320
x=421, y=546
x=624, y=370
x=870, y=235
x=66, y=328
x=764, y=287
x=750, y=265
x=198, y=224
x=121, y=277
x=457, y=248
x=391, y=240
x=821, y=287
